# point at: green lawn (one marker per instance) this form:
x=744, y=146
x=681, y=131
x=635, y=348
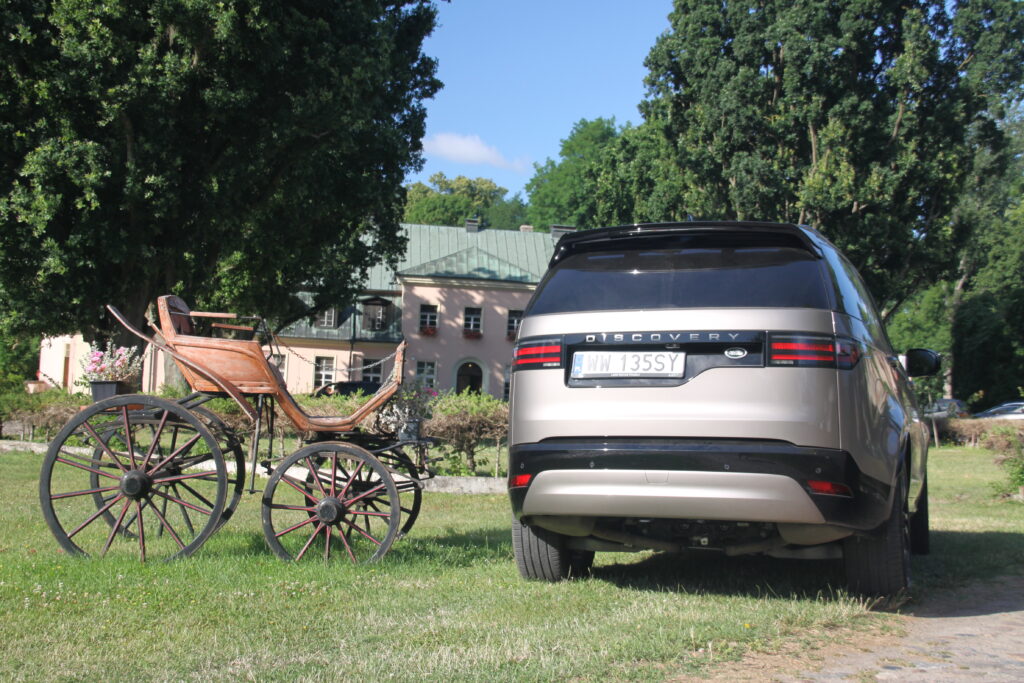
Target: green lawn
x=447, y=602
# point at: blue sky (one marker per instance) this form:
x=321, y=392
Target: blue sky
x=519, y=74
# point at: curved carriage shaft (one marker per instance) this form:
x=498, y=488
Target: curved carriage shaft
x=331, y=500
x=134, y=475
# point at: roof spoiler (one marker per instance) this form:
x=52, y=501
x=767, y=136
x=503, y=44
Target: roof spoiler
x=573, y=242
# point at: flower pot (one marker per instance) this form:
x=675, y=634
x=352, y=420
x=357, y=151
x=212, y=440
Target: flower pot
x=472, y=334
x=108, y=388
x=428, y=331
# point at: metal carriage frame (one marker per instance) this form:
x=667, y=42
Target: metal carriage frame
x=148, y=476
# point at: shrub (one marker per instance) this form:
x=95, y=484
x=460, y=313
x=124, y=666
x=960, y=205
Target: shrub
x=465, y=421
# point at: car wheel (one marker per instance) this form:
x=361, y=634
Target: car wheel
x=542, y=554
x=879, y=565
x=920, y=541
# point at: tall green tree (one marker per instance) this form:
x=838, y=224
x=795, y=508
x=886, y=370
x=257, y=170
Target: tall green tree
x=858, y=116
x=558, y=191
x=231, y=151
x=450, y=201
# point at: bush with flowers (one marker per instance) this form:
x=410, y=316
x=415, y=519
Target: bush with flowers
x=112, y=364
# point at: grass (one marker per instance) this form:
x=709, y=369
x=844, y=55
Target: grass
x=447, y=602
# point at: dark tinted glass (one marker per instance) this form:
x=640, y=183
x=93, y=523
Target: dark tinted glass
x=705, y=277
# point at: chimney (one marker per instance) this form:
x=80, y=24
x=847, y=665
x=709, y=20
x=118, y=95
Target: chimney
x=472, y=225
x=525, y=228
x=558, y=230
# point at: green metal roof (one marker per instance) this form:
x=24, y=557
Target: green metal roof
x=473, y=263
x=443, y=251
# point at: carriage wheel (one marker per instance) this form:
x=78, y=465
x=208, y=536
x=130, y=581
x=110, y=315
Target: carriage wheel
x=332, y=500
x=230, y=447
x=133, y=475
x=410, y=489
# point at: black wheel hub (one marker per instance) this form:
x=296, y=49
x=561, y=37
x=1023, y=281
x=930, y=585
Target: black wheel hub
x=330, y=510
x=136, y=484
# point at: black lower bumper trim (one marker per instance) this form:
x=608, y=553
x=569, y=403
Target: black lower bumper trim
x=868, y=507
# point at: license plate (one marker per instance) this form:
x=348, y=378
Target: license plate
x=594, y=364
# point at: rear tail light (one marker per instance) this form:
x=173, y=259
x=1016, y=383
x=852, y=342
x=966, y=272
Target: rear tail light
x=812, y=351
x=538, y=353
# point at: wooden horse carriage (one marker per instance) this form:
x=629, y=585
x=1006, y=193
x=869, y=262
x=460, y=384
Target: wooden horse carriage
x=153, y=477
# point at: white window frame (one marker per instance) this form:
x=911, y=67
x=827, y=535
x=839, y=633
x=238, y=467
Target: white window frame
x=428, y=318
x=374, y=374
x=322, y=374
x=473, y=322
x=514, y=321
x=327, y=318
x=426, y=373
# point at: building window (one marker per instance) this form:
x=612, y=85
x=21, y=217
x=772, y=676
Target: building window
x=472, y=322
x=377, y=315
x=515, y=319
x=507, y=386
x=277, y=360
x=323, y=371
x=327, y=318
x=426, y=372
x=428, y=317
x=372, y=370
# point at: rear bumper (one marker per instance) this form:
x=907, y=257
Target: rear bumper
x=733, y=480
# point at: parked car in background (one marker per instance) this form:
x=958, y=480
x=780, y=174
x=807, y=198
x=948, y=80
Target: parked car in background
x=347, y=388
x=1014, y=410
x=947, y=407
x=722, y=386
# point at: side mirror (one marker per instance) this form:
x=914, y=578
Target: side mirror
x=922, y=362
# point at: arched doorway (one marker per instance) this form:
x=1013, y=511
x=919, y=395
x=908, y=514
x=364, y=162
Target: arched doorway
x=469, y=377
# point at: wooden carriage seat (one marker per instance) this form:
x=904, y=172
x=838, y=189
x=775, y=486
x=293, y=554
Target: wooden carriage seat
x=242, y=363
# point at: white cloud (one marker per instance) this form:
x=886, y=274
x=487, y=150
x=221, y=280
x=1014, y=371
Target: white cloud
x=469, y=149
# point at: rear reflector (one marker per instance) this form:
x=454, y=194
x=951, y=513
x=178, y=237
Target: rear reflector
x=518, y=480
x=830, y=488
x=546, y=353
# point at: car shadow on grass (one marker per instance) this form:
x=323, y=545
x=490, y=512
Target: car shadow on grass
x=715, y=573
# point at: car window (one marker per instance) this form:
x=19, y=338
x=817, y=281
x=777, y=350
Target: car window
x=688, y=277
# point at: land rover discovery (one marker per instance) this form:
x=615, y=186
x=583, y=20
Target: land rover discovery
x=714, y=386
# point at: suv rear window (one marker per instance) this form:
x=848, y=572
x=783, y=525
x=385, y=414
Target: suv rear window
x=699, y=276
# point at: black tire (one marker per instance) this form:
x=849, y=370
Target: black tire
x=542, y=554
x=920, y=537
x=879, y=565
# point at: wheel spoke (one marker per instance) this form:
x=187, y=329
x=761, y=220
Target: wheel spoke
x=155, y=445
x=117, y=525
x=295, y=526
x=142, y=531
x=181, y=502
x=128, y=436
x=81, y=466
x=104, y=446
x=314, y=474
x=99, y=512
x=175, y=454
x=291, y=482
x=166, y=525
x=309, y=542
x=72, y=494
